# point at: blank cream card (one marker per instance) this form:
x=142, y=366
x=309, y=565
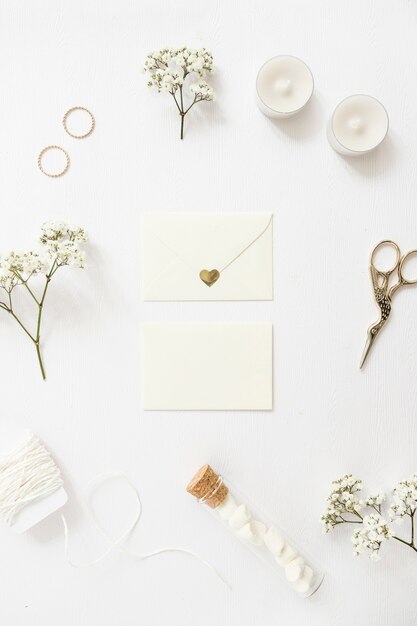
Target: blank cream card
x=207, y=366
x=207, y=256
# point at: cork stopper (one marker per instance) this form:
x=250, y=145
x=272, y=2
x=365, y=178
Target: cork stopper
x=207, y=484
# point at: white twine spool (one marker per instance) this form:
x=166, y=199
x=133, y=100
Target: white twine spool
x=28, y=473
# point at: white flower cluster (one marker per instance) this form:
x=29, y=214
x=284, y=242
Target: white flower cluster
x=187, y=59
x=60, y=247
x=202, y=91
x=15, y=267
x=369, y=538
x=22, y=263
x=67, y=253
x=61, y=243
x=167, y=68
x=374, y=529
x=405, y=498
x=57, y=231
x=8, y=281
x=376, y=499
x=165, y=80
x=342, y=499
x=191, y=60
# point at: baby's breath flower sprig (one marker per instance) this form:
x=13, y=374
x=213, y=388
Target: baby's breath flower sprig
x=60, y=247
x=343, y=503
x=168, y=70
x=370, y=537
x=404, y=499
x=345, y=507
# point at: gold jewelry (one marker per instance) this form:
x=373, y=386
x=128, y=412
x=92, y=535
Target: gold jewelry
x=41, y=155
x=68, y=113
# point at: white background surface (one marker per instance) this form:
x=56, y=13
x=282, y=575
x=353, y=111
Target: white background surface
x=329, y=417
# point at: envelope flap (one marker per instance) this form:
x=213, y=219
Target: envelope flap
x=206, y=240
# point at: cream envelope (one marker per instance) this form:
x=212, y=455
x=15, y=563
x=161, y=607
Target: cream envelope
x=176, y=247
x=207, y=366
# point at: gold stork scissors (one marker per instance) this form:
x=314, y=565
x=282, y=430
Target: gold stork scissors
x=383, y=291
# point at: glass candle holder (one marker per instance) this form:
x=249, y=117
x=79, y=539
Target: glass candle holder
x=284, y=85
x=358, y=125
x=256, y=531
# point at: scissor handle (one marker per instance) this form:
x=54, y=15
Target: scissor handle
x=386, y=243
x=406, y=281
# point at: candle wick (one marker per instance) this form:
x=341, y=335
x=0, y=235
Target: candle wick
x=355, y=124
x=283, y=86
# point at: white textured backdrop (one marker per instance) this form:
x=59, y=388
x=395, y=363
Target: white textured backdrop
x=329, y=417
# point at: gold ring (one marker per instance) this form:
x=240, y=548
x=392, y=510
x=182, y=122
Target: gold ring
x=68, y=113
x=41, y=155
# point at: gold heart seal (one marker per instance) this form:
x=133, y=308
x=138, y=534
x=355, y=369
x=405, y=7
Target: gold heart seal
x=209, y=276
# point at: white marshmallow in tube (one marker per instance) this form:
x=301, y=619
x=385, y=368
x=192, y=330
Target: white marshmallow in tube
x=287, y=555
x=252, y=531
x=274, y=541
x=240, y=517
x=294, y=570
x=227, y=507
x=303, y=585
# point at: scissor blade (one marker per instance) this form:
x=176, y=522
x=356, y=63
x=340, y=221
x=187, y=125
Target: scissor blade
x=368, y=344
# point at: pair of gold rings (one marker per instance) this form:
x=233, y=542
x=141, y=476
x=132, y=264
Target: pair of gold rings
x=71, y=134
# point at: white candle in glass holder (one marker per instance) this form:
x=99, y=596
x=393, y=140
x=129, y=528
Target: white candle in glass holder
x=284, y=85
x=358, y=125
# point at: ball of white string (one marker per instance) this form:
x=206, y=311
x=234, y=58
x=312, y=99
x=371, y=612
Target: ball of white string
x=27, y=473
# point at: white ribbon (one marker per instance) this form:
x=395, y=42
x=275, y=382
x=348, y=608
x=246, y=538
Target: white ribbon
x=117, y=544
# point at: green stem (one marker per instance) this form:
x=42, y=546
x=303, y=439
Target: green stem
x=24, y=282
x=182, y=112
x=191, y=105
x=30, y=291
x=175, y=100
x=38, y=352
x=38, y=326
x=409, y=544
x=36, y=339
x=21, y=325
x=182, y=99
